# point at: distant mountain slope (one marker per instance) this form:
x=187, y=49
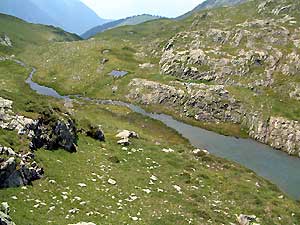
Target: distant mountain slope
x=71, y=15
x=21, y=34
x=209, y=4
x=134, y=20
x=20, y=9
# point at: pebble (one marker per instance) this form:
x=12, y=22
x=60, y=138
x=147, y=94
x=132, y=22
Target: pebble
x=112, y=182
x=82, y=185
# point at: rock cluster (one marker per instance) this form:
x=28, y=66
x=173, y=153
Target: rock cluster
x=18, y=170
x=9, y=120
x=4, y=214
x=249, y=54
x=5, y=41
x=53, y=131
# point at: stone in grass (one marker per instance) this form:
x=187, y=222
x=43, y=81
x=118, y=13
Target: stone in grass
x=82, y=185
x=247, y=219
x=96, y=133
x=111, y=181
x=200, y=153
x=168, y=150
x=177, y=188
x=83, y=223
x=124, y=142
x=127, y=134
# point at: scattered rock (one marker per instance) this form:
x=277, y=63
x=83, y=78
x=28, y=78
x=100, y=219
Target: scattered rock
x=82, y=185
x=127, y=134
x=168, y=150
x=177, y=188
x=124, y=142
x=246, y=219
x=83, y=223
x=200, y=153
x=146, y=66
x=96, y=132
x=4, y=214
x=112, y=182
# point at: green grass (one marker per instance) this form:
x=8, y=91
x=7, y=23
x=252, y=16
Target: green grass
x=222, y=185
x=213, y=189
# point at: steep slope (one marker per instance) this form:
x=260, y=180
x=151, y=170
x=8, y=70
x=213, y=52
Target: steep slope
x=209, y=4
x=60, y=13
x=19, y=34
x=134, y=20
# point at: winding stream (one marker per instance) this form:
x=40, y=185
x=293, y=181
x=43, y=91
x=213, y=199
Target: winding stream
x=276, y=166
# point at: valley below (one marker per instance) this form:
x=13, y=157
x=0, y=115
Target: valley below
x=193, y=120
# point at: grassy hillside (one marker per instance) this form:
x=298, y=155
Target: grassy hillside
x=211, y=190
x=24, y=34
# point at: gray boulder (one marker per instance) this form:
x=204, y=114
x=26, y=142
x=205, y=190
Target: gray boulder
x=16, y=172
x=53, y=131
x=96, y=133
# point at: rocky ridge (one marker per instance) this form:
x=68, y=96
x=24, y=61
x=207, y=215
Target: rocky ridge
x=213, y=103
x=247, y=53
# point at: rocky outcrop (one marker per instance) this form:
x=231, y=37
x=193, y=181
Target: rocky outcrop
x=201, y=101
x=5, y=41
x=247, y=54
x=53, y=131
x=213, y=103
x=18, y=170
x=278, y=132
x=4, y=214
x=11, y=121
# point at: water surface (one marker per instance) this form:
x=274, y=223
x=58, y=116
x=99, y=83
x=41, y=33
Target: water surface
x=276, y=166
